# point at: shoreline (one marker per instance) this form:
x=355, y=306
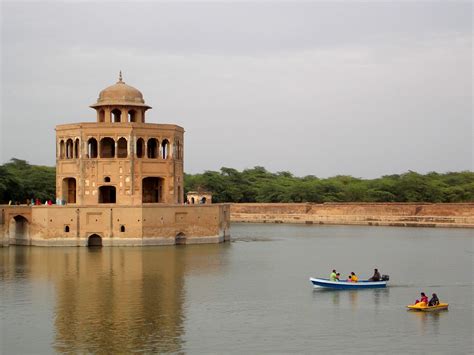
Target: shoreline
x=428, y=215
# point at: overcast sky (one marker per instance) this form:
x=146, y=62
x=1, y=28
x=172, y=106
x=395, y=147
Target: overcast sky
x=364, y=89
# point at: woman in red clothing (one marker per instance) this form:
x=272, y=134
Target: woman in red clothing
x=423, y=298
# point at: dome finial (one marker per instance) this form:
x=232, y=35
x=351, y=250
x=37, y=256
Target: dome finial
x=120, y=76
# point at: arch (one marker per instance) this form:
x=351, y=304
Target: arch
x=66, y=229
x=107, y=179
x=132, y=116
x=69, y=148
x=152, y=189
x=76, y=148
x=62, y=149
x=94, y=240
x=122, y=229
x=192, y=200
x=180, y=238
x=69, y=190
x=101, y=115
x=140, y=148
x=107, y=148
x=122, y=148
x=165, y=149
x=203, y=200
x=107, y=194
x=92, y=148
x=152, y=148
x=19, y=230
x=116, y=115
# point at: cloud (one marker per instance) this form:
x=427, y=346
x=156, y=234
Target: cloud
x=317, y=89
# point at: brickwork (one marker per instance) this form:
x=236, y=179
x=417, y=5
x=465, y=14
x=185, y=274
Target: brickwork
x=373, y=214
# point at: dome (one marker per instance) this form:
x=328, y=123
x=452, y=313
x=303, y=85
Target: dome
x=120, y=94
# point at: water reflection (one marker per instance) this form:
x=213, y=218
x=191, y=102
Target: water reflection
x=354, y=298
x=113, y=300
x=429, y=322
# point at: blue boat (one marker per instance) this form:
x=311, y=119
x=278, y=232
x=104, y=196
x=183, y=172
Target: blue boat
x=345, y=285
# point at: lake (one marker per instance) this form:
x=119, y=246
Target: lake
x=251, y=295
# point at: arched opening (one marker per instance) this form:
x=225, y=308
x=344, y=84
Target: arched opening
x=180, y=200
x=165, y=147
x=140, y=147
x=116, y=115
x=92, y=148
x=101, y=116
x=122, y=229
x=180, y=239
x=69, y=190
x=69, y=149
x=76, y=148
x=62, y=149
x=94, y=241
x=203, y=200
x=122, y=148
x=107, y=194
x=152, y=148
x=152, y=190
x=66, y=229
x=192, y=200
x=107, y=148
x=132, y=116
x=19, y=230
x=107, y=179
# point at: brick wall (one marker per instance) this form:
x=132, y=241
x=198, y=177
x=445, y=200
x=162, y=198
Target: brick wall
x=377, y=214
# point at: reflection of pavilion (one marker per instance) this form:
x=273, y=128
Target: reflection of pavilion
x=120, y=300
x=116, y=300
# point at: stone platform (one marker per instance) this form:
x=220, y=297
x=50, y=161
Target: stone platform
x=110, y=225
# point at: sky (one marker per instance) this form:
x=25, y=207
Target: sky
x=315, y=88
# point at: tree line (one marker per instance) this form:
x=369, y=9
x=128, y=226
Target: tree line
x=259, y=185
x=20, y=180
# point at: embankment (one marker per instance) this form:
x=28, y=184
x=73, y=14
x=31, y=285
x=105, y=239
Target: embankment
x=459, y=215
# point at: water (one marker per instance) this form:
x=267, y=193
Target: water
x=248, y=296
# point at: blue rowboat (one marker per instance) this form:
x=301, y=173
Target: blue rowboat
x=344, y=285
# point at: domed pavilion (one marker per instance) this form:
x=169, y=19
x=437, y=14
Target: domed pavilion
x=119, y=182
x=120, y=159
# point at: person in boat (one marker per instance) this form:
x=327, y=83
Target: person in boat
x=434, y=301
x=376, y=276
x=353, y=277
x=338, y=275
x=333, y=276
x=423, y=298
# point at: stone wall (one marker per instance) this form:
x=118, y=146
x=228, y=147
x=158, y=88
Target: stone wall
x=372, y=214
x=153, y=224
